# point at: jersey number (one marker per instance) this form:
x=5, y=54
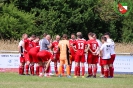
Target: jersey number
x=80, y=45
x=94, y=46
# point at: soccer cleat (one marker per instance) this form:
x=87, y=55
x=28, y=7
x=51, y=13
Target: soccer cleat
x=102, y=76
x=83, y=76
x=110, y=77
x=27, y=74
x=69, y=76
x=94, y=76
x=89, y=76
x=75, y=76
x=59, y=76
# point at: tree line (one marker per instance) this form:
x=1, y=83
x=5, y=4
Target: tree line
x=63, y=16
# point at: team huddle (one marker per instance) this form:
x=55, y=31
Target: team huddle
x=39, y=53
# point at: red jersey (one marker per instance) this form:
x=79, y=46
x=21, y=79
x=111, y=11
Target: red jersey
x=28, y=44
x=55, y=46
x=72, y=42
x=93, y=45
x=80, y=46
x=35, y=44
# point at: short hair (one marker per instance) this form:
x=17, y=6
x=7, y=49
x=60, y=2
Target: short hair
x=64, y=36
x=103, y=38
x=90, y=34
x=79, y=33
x=72, y=33
x=107, y=33
x=38, y=37
x=44, y=34
x=33, y=36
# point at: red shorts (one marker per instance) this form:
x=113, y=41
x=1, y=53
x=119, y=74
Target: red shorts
x=112, y=59
x=100, y=61
x=105, y=62
x=22, y=60
x=80, y=58
x=42, y=57
x=33, y=57
x=56, y=56
x=26, y=56
x=92, y=59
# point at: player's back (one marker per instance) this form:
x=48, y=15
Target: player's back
x=80, y=46
x=106, y=49
x=63, y=44
x=93, y=44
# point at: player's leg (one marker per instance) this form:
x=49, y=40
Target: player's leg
x=31, y=56
x=27, y=59
x=82, y=65
x=111, y=67
x=60, y=67
x=89, y=61
x=77, y=64
x=41, y=68
x=106, y=68
x=37, y=69
x=94, y=63
x=67, y=69
x=21, y=66
x=102, y=68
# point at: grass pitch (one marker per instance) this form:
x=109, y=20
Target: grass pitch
x=13, y=80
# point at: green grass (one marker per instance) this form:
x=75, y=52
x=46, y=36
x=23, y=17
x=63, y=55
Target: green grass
x=13, y=80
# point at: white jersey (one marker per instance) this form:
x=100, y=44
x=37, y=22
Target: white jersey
x=106, y=50
x=21, y=43
x=111, y=42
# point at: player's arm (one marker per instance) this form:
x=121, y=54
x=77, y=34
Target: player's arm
x=48, y=63
x=23, y=45
x=101, y=49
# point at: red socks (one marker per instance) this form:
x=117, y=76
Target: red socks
x=40, y=69
x=111, y=71
x=56, y=70
x=106, y=71
x=76, y=69
x=83, y=71
x=20, y=70
x=90, y=71
x=27, y=69
x=32, y=69
x=102, y=70
x=95, y=71
x=37, y=70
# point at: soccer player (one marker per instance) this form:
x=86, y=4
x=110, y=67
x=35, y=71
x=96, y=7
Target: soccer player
x=64, y=55
x=99, y=44
x=79, y=55
x=33, y=56
x=27, y=46
x=111, y=67
x=43, y=57
x=22, y=60
x=71, y=42
x=56, y=54
x=105, y=51
x=92, y=55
